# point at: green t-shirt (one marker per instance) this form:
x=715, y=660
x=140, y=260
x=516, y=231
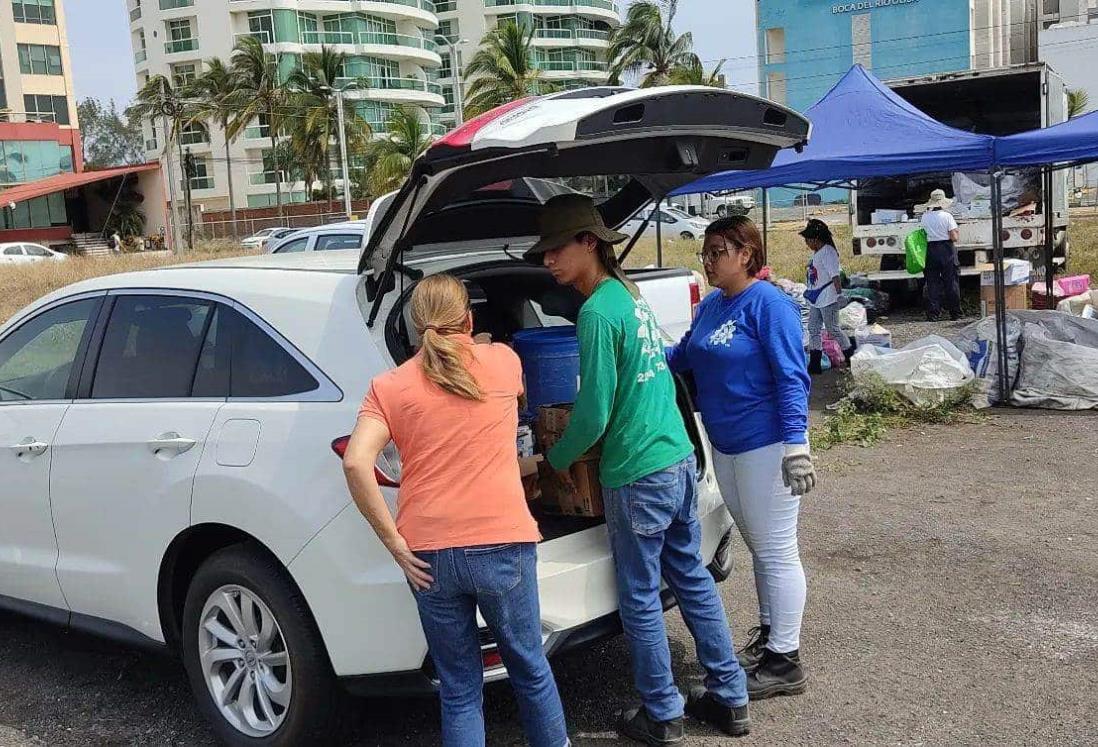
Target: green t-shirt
x=627, y=394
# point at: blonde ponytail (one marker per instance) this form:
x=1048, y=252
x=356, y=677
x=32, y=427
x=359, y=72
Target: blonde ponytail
x=440, y=309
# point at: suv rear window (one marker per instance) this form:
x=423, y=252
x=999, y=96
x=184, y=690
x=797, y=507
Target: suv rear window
x=239, y=359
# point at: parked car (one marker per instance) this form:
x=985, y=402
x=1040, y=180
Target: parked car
x=332, y=237
x=262, y=238
x=676, y=223
x=173, y=437
x=24, y=253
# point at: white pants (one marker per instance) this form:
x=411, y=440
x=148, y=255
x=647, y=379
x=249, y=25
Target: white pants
x=766, y=513
x=826, y=316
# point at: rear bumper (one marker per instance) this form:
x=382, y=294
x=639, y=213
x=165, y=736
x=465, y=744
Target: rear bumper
x=421, y=682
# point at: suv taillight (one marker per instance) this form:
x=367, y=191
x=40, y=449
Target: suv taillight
x=695, y=296
x=339, y=446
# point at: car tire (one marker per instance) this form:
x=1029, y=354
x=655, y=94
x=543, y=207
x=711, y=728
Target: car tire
x=686, y=236
x=721, y=210
x=264, y=595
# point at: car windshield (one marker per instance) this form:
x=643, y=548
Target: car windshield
x=680, y=213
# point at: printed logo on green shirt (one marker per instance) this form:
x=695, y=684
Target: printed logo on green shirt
x=652, y=355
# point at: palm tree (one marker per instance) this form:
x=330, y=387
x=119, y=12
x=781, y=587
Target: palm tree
x=159, y=99
x=646, y=44
x=693, y=74
x=1078, y=101
x=503, y=69
x=260, y=92
x=215, y=98
x=314, y=87
x=390, y=158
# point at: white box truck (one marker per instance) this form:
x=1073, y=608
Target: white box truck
x=1000, y=101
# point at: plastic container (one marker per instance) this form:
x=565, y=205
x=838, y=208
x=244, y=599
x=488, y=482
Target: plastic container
x=1074, y=285
x=550, y=365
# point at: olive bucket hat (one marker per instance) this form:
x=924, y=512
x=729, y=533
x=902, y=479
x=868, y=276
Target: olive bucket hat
x=563, y=218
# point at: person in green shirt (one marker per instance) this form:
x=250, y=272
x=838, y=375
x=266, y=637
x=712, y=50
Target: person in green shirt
x=626, y=401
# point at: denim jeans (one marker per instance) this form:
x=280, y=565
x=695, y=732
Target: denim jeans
x=654, y=531
x=502, y=581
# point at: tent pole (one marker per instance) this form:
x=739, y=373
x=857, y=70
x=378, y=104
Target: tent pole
x=766, y=225
x=659, y=234
x=1050, y=234
x=1000, y=287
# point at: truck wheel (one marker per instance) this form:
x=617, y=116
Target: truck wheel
x=253, y=654
x=721, y=211
x=686, y=236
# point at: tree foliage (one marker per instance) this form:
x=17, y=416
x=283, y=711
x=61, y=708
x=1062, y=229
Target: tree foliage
x=110, y=137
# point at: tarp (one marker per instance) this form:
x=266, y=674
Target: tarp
x=862, y=129
x=1074, y=141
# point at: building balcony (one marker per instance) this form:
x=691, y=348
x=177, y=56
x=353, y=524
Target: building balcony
x=572, y=66
x=591, y=38
x=415, y=49
x=422, y=10
x=135, y=14
x=445, y=6
x=173, y=4
x=402, y=90
x=604, y=9
x=180, y=46
x=140, y=56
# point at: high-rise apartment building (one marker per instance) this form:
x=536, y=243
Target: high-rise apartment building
x=39, y=134
x=391, y=43
x=570, y=38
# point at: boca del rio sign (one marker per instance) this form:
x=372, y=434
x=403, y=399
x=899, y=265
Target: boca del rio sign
x=868, y=5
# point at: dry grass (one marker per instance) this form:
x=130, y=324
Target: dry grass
x=22, y=284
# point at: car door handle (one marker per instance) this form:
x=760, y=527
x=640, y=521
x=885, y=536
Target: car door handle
x=172, y=442
x=29, y=447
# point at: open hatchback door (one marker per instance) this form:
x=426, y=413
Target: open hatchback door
x=661, y=138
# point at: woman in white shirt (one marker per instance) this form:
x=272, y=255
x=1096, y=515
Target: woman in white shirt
x=824, y=290
x=943, y=271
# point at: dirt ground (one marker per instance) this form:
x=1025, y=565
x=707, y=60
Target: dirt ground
x=952, y=576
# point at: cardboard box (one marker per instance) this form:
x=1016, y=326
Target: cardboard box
x=586, y=499
x=1017, y=297
x=1015, y=272
x=528, y=468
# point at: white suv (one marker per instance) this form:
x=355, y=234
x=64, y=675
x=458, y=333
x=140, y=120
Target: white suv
x=171, y=438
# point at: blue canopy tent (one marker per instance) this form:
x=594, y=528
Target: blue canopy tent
x=861, y=129
x=1066, y=144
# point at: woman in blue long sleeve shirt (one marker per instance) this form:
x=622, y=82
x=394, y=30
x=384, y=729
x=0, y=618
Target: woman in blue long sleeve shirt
x=745, y=350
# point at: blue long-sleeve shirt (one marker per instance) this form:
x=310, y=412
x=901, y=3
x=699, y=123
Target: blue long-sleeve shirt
x=747, y=356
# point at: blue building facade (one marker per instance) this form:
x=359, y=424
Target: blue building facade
x=805, y=46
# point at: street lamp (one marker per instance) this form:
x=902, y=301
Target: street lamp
x=343, y=142
x=455, y=67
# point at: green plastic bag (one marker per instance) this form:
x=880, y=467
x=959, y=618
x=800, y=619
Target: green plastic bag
x=915, y=251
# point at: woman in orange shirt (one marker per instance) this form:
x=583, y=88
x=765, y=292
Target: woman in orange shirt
x=463, y=534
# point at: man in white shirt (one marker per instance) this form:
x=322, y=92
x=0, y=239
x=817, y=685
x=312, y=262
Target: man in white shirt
x=943, y=271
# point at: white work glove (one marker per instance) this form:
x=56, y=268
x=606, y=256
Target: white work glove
x=798, y=473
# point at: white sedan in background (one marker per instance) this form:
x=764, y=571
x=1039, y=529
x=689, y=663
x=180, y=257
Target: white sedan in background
x=675, y=224
x=24, y=253
x=262, y=238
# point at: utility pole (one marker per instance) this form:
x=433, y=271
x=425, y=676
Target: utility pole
x=455, y=62
x=343, y=152
x=171, y=185
x=188, y=174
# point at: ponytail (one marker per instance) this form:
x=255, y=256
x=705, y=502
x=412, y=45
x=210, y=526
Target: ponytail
x=440, y=307
x=609, y=260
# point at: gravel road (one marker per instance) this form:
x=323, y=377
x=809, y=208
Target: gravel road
x=953, y=573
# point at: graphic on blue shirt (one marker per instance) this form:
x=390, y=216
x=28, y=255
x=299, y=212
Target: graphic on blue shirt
x=747, y=355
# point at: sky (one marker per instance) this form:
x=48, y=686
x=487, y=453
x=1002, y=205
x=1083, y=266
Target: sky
x=99, y=39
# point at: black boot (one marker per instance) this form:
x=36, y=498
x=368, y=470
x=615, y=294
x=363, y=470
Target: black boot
x=733, y=721
x=777, y=674
x=815, y=362
x=751, y=654
x=636, y=725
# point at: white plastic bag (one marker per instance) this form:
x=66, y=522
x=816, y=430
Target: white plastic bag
x=852, y=317
x=925, y=372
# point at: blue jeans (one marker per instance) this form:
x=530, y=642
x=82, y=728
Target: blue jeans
x=654, y=532
x=502, y=581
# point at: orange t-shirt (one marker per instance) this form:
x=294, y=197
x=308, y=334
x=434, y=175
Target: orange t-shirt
x=460, y=483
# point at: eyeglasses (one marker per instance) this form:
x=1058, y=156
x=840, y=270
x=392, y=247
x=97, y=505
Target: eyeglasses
x=710, y=256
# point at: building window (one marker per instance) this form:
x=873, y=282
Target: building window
x=34, y=11
x=775, y=88
x=194, y=134
x=861, y=39
x=202, y=178
x=259, y=129
x=446, y=71
x=172, y=4
x=184, y=74
x=42, y=108
x=448, y=30
x=261, y=26
x=41, y=212
x=29, y=160
x=181, y=36
x=775, y=46
x=39, y=59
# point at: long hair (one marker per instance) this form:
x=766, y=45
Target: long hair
x=608, y=258
x=440, y=307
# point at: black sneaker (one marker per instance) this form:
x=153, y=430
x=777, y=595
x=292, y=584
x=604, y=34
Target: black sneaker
x=751, y=654
x=735, y=722
x=636, y=725
x=777, y=674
